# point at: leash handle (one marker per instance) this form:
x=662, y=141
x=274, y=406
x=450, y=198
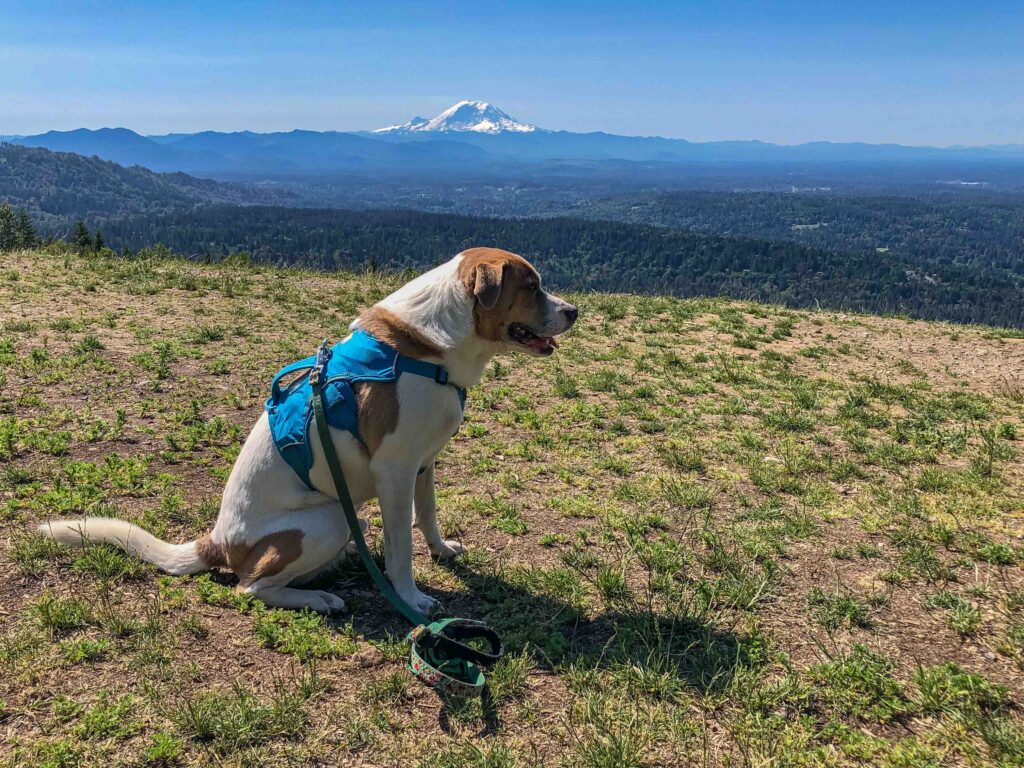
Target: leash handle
x=445, y=636
x=341, y=487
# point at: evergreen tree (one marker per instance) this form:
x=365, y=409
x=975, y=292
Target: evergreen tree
x=24, y=232
x=80, y=238
x=8, y=231
x=97, y=242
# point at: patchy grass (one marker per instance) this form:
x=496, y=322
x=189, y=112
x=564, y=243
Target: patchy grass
x=738, y=535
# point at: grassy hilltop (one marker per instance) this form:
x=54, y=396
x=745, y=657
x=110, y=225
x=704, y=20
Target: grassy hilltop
x=711, y=533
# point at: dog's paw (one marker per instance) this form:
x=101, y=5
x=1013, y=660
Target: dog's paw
x=350, y=549
x=447, y=549
x=326, y=603
x=425, y=604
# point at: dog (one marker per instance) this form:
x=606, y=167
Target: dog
x=275, y=532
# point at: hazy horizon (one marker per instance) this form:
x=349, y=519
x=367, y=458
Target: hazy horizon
x=783, y=72
x=364, y=130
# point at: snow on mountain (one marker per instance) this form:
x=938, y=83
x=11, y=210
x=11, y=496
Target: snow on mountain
x=475, y=116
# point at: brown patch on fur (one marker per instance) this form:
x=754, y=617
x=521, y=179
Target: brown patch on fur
x=378, y=411
x=493, y=314
x=494, y=258
x=212, y=555
x=385, y=326
x=270, y=555
x=236, y=554
x=378, y=401
x=220, y=556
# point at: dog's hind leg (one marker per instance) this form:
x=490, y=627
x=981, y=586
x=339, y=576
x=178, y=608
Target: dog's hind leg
x=302, y=544
x=316, y=600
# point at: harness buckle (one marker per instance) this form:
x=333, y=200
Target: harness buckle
x=441, y=375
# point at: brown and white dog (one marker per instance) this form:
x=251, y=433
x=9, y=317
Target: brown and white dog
x=274, y=532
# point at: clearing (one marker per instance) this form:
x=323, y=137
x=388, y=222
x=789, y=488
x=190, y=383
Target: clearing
x=711, y=533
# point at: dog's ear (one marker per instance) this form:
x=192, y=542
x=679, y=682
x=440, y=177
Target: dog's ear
x=488, y=284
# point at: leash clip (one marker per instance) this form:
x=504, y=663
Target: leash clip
x=319, y=370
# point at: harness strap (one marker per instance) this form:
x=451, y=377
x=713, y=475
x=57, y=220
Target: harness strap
x=438, y=373
x=288, y=370
x=403, y=364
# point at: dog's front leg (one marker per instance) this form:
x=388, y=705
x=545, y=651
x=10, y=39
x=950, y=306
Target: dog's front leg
x=395, y=490
x=426, y=516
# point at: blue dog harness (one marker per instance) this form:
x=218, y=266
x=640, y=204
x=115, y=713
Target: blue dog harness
x=361, y=357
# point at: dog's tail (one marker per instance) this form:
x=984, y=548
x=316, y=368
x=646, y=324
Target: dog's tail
x=178, y=559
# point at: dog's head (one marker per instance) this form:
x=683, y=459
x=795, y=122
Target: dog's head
x=510, y=307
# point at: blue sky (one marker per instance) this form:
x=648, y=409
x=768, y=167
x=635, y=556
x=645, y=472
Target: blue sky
x=902, y=71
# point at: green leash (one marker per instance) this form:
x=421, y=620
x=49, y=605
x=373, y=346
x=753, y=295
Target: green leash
x=439, y=654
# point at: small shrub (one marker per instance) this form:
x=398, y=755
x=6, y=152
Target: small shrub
x=237, y=720
x=58, y=615
x=840, y=609
x=204, y=334
x=107, y=563
x=859, y=685
x=77, y=651
x=686, y=494
x=304, y=634
x=565, y=385
x=107, y=719
x=947, y=689
x=35, y=555
x=164, y=749
x=88, y=344
x=682, y=457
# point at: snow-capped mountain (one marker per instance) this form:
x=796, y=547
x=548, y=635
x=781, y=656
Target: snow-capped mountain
x=473, y=116
x=469, y=136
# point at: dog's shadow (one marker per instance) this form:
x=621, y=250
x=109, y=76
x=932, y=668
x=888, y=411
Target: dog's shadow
x=541, y=612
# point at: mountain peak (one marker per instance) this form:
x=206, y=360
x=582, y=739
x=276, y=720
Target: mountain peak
x=466, y=115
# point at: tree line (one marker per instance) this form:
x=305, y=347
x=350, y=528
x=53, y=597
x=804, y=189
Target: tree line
x=571, y=253
x=86, y=242
x=17, y=232
x=16, y=229
x=581, y=254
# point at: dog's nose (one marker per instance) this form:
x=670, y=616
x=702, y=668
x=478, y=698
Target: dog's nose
x=572, y=313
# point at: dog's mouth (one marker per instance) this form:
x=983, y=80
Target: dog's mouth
x=522, y=335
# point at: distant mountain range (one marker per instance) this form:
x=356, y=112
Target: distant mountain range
x=469, y=136
x=942, y=255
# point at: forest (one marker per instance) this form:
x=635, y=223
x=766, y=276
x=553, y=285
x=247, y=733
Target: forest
x=972, y=227
x=591, y=255
x=948, y=251
x=57, y=187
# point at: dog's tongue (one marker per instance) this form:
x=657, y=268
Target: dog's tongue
x=542, y=343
